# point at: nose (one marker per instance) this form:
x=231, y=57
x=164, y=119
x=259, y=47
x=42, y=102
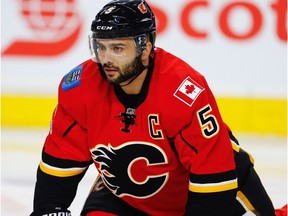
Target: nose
x=107, y=58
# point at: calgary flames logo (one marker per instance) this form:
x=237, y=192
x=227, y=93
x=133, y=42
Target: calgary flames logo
x=142, y=8
x=123, y=172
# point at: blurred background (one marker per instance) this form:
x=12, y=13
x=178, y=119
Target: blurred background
x=240, y=46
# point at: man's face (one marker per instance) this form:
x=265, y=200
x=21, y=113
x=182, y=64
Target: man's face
x=118, y=58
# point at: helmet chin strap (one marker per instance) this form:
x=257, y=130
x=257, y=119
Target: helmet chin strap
x=137, y=74
x=151, y=63
x=140, y=42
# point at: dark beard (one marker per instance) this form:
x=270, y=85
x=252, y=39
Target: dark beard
x=129, y=71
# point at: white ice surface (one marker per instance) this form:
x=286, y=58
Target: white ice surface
x=21, y=150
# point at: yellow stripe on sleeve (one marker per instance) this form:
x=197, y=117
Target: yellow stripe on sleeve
x=244, y=201
x=213, y=187
x=235, y=146
x=54, y=171
x=237, y=149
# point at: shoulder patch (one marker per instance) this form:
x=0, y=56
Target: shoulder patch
x=188, y=91
x=72, y=79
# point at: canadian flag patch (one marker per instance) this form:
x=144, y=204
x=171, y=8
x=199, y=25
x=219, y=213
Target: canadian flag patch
x=188, y=91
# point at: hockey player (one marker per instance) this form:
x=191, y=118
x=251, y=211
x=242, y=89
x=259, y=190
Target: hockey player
x=150, y=124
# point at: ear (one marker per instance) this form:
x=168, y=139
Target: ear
x=147, y=51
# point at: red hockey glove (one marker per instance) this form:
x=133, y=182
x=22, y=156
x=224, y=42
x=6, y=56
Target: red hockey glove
x=282, y=211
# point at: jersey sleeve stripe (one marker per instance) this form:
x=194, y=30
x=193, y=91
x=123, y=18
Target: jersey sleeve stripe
x=235, y=146
x=242, y=199
x=237, y=149
x=61, y=172
x=213, y=187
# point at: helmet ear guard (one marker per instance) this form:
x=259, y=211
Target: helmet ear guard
x=140, y=42
x=144, y=38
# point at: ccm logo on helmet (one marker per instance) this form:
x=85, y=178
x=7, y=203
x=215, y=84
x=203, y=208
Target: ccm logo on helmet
x=104, y=27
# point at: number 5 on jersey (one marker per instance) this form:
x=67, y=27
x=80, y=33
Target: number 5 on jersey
x=208, y=123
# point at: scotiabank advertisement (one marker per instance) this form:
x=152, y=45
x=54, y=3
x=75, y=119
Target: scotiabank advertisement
x=238, y=45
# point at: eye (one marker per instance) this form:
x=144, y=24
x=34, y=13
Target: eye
x=100, y=47
x=118, y=49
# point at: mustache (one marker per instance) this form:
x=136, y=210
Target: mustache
x=110, y=66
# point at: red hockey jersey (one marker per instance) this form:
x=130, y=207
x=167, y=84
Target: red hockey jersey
x=150, y=153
